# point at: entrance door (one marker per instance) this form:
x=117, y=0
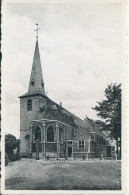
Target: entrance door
x=69, y=151
x=108, y=151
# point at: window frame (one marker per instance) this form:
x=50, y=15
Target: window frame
x=81, y=144
x=53, y=135
x=32, y=83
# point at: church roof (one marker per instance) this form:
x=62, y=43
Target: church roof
x=55, y=111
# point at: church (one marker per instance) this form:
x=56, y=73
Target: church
x=59, y=133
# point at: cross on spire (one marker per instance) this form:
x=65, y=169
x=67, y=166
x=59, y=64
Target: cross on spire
x=37, y=29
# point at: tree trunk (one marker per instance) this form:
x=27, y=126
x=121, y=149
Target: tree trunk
x=120, y=147
x=117, y=145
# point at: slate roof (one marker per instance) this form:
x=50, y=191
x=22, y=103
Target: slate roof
x=55, y=111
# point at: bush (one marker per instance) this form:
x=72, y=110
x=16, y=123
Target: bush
x=10, y=146
x=6, y=159
x=12, y=156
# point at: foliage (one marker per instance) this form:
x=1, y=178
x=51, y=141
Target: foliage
x=109, y=110
x=6, y=159
x=10, y=146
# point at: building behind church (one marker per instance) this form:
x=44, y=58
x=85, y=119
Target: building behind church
x=59, y=132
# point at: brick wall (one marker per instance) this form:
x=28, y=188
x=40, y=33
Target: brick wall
x=51, y=147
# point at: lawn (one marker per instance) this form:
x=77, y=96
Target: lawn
x=29, y=174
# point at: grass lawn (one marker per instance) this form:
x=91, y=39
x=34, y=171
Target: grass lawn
x=29, y=174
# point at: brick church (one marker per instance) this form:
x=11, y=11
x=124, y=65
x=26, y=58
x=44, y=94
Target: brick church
x=59, y=133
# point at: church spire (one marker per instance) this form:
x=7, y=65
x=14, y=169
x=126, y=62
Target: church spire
x=36, y=84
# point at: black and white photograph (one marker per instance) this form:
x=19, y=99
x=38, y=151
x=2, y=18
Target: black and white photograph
x=63, y=97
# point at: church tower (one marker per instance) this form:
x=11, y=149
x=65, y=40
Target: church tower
x=34, y=99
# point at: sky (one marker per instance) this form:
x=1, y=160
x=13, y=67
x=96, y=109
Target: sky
x=80, y=49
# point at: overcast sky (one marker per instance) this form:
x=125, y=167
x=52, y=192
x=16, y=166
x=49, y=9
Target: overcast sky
x=80, y=50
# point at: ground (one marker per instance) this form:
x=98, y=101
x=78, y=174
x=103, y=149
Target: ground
x=29, y=174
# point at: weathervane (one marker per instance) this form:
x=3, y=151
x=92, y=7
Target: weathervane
x=37, y=29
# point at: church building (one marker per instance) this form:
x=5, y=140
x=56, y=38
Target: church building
x=58, y=132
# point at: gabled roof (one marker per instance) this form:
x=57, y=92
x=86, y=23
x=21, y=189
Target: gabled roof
x=96, y=128
x=85, y=126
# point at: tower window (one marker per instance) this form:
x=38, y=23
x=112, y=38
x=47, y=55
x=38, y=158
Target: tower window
x=32, y=83
x=50, y=135
x=29, y=105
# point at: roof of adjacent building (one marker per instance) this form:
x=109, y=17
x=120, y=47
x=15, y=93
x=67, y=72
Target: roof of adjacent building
x=89, y=126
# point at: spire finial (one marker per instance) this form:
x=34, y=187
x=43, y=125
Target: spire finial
x=37, y=29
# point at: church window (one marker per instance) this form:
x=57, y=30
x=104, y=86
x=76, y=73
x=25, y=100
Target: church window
x=50, y=135
x=81, y=145
x=29, y=105
x=60, y=135
x=38, y=134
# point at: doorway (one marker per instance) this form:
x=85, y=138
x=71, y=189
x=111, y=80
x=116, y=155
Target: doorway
x=108, y=151
x=69, y=151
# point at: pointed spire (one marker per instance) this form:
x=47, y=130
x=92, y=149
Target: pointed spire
x=36, y=84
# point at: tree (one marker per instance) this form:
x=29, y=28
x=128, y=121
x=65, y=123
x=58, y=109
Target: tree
x=10, y=146
x=110, y=111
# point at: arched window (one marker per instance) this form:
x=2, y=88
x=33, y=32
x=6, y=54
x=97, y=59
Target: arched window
x=38, y=134
x=60, y=135
x=50, y=135
x=29, y=105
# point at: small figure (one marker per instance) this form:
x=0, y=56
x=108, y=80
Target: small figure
x=101, y=156
x=30, y=155
x=65, y=157
x=47, y=157
x=83, y=157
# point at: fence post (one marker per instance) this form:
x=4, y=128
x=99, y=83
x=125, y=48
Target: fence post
x=116, y=156
x=87, y=156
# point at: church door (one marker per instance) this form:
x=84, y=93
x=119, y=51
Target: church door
x=69, y=151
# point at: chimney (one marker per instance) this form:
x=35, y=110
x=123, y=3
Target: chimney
x=61, y=104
